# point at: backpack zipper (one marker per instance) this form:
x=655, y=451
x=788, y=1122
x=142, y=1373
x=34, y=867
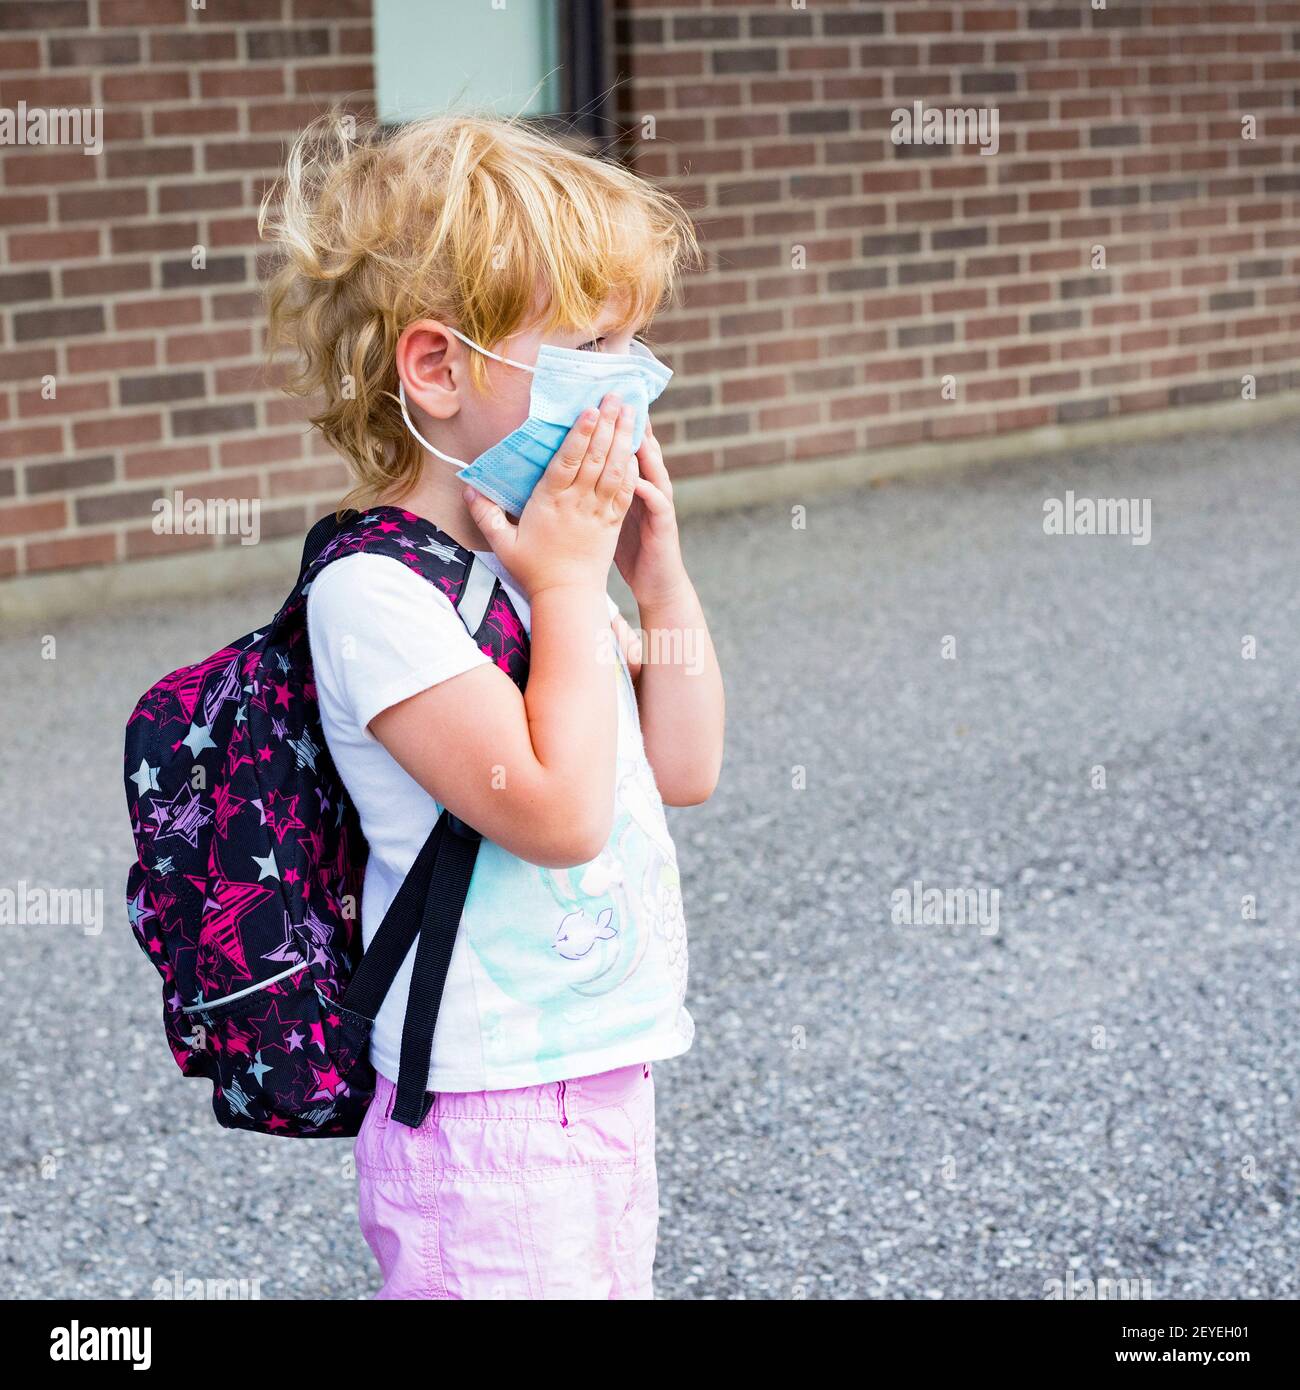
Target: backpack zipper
x=207, y=1004
x=564, y=1114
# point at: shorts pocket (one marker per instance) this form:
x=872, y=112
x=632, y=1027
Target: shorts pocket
x=571, y=1214
x=386, y=1150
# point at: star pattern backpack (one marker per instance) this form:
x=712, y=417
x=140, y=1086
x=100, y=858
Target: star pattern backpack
x=246, y=889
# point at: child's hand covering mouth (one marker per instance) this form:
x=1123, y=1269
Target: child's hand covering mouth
x=569, y=528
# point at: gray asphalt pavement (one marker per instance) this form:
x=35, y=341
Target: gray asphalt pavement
x=1103, y=1087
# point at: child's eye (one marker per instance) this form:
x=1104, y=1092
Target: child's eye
x=593, y=346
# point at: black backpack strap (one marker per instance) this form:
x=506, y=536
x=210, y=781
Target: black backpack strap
x=320, y=535
x=453, y=867
x=428, y=905
x=374, y=975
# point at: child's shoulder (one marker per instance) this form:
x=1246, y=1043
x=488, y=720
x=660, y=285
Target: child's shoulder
x=379, y=633
x=379, y=603
x=371, y=580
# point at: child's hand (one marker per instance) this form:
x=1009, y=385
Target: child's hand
x=571, y=522
x=649, y=553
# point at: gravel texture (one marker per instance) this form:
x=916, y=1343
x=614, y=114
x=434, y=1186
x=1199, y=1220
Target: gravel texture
x=1104, y=1086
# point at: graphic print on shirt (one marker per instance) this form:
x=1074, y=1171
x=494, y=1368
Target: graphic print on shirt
x=610, y=958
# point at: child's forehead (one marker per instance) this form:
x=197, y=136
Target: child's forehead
x=614, y=315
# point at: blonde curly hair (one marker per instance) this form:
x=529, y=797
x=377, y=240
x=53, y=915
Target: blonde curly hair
x=473, y=221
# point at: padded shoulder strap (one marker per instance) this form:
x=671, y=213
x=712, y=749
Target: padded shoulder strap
x=318, y=538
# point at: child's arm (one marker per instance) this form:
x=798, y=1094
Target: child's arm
x=534, y=772
x=679, y=685
x=679, y=694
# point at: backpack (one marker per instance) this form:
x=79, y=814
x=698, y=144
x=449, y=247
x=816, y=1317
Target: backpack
x=246, y=889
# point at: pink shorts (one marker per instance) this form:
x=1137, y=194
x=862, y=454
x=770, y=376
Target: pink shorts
x=540, y=1192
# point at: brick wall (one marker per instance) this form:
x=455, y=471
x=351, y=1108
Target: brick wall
x=1119, y=128
x=158, y=373
x=848, y=277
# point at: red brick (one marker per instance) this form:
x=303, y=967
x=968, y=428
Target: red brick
x=196, y=120
x=107, y=355
x=30, y=518
x=328, y=477
x=71, y=399
x=209, y=346
x=71, y=553
x=193, y=47
x=150, y=85
x=28, y=365
x=30, y=440
x=233, y=231
x=154, y=236
x=332, y=80
x=145, y=14
x=146, y=161
x=223, y=83
x=169, y=311
x=19, y=54
x=177, y=462
x=23, y=209
x=111, y=430
x=27, y=168
x=54, y=246
x=223, y=155
x=46, y=90
x=97, y=204
x=201, y=197
x=250, y=453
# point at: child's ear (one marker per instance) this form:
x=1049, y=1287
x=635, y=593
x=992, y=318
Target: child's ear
x=430, y=363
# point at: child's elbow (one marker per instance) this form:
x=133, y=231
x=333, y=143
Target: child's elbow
x=574, y=841
x=690, y=791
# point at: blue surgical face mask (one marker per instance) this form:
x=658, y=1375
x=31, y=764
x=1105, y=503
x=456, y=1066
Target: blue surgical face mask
x=565, y=382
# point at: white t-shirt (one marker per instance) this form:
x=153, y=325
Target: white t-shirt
x=556, y=973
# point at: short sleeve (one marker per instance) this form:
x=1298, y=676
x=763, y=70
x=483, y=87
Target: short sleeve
x=379, y=634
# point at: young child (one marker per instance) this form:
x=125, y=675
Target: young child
x=436, y=281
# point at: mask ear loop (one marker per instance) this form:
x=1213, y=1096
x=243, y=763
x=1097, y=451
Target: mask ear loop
x=406, y=413
x=410, y=425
